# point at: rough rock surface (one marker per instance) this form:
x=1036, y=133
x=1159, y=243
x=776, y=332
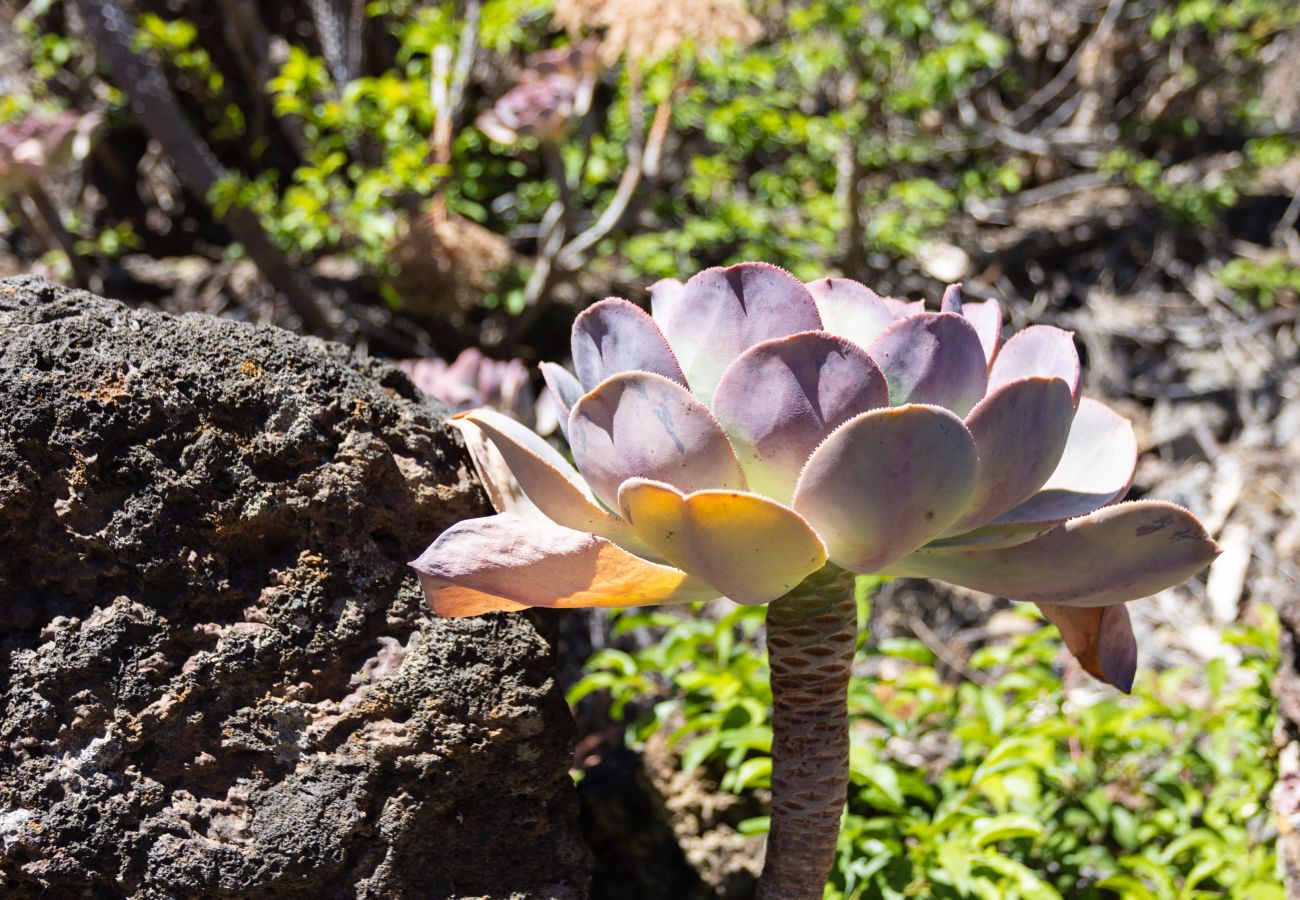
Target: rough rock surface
x=218, y=676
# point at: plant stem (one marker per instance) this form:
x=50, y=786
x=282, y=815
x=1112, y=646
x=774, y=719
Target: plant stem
x=811, y=634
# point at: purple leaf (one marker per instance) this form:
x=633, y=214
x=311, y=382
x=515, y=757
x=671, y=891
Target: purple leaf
x=1020, y=432
x=1114, y=555
x=504, y=562
x=1095, y=469
x=615, y=336
x=850, y=309
x=721, y=313
x=781, y=398
x=932, y=358
x=642, y=425
x=493, y=472
x=548, y=480
x=951, y=302
x=665, y=294
x=904, y=308
x=564, y=388
x=986, y=317
x=1101, y=639
x=1038, y=350
x=886, y=482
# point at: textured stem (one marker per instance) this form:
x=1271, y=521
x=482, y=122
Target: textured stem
x=811, y=633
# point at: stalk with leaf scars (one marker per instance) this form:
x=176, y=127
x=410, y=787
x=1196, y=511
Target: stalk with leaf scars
x=762, y=439
x=811, y=636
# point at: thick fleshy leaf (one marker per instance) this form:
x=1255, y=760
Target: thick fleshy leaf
x=1095, y=469
x=1101, y=639
x=886, y=482
x=721, y=313
x=750, y=548
x=932, y=358
x=565, y=390
x=504, y=562
x=548, y=480
x=986, y=316
x=903, y=308
x=642, y=425
x=615, y=336
x=850, y=309
x=781, y=398
x=499, y=483
x=1020, y=432
x=1038, y=350
x=952, y=300
x=1114, y=555
x=664, y=295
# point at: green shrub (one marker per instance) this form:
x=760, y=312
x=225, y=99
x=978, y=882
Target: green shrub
x=1261, y=283
x=999, y=785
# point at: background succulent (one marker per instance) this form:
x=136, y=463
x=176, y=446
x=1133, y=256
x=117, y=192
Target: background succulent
x=474, y=380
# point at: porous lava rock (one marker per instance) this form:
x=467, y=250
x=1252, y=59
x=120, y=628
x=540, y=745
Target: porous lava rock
x=218, y=675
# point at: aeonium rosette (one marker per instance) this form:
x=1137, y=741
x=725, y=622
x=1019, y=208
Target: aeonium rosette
x=752, y=429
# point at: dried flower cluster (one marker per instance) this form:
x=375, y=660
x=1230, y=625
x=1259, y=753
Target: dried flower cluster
x=552, y=93
x=649, y=30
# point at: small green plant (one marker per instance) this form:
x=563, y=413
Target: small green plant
x=1027, y=793
x=1262, y=283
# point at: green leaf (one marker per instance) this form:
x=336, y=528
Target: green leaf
x=987, y=831
x=755, y=772
x=698, y=750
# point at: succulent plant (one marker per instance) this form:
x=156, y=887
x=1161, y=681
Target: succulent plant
x=762, y=439
x=540, y=106
x=471, y=380
x=32, y=146
x=474, y=380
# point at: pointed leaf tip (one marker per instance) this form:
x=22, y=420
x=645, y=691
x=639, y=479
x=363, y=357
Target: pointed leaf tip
x=565, y=391
x=951, y=299
x=1101, y=639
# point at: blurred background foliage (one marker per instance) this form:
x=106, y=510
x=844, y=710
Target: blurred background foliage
x=416, y=178
x=894, y=141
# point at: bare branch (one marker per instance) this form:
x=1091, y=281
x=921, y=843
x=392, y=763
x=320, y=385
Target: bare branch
x=1048, y=92
x=48, y=214
x=643, y=160
x=154, y=104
